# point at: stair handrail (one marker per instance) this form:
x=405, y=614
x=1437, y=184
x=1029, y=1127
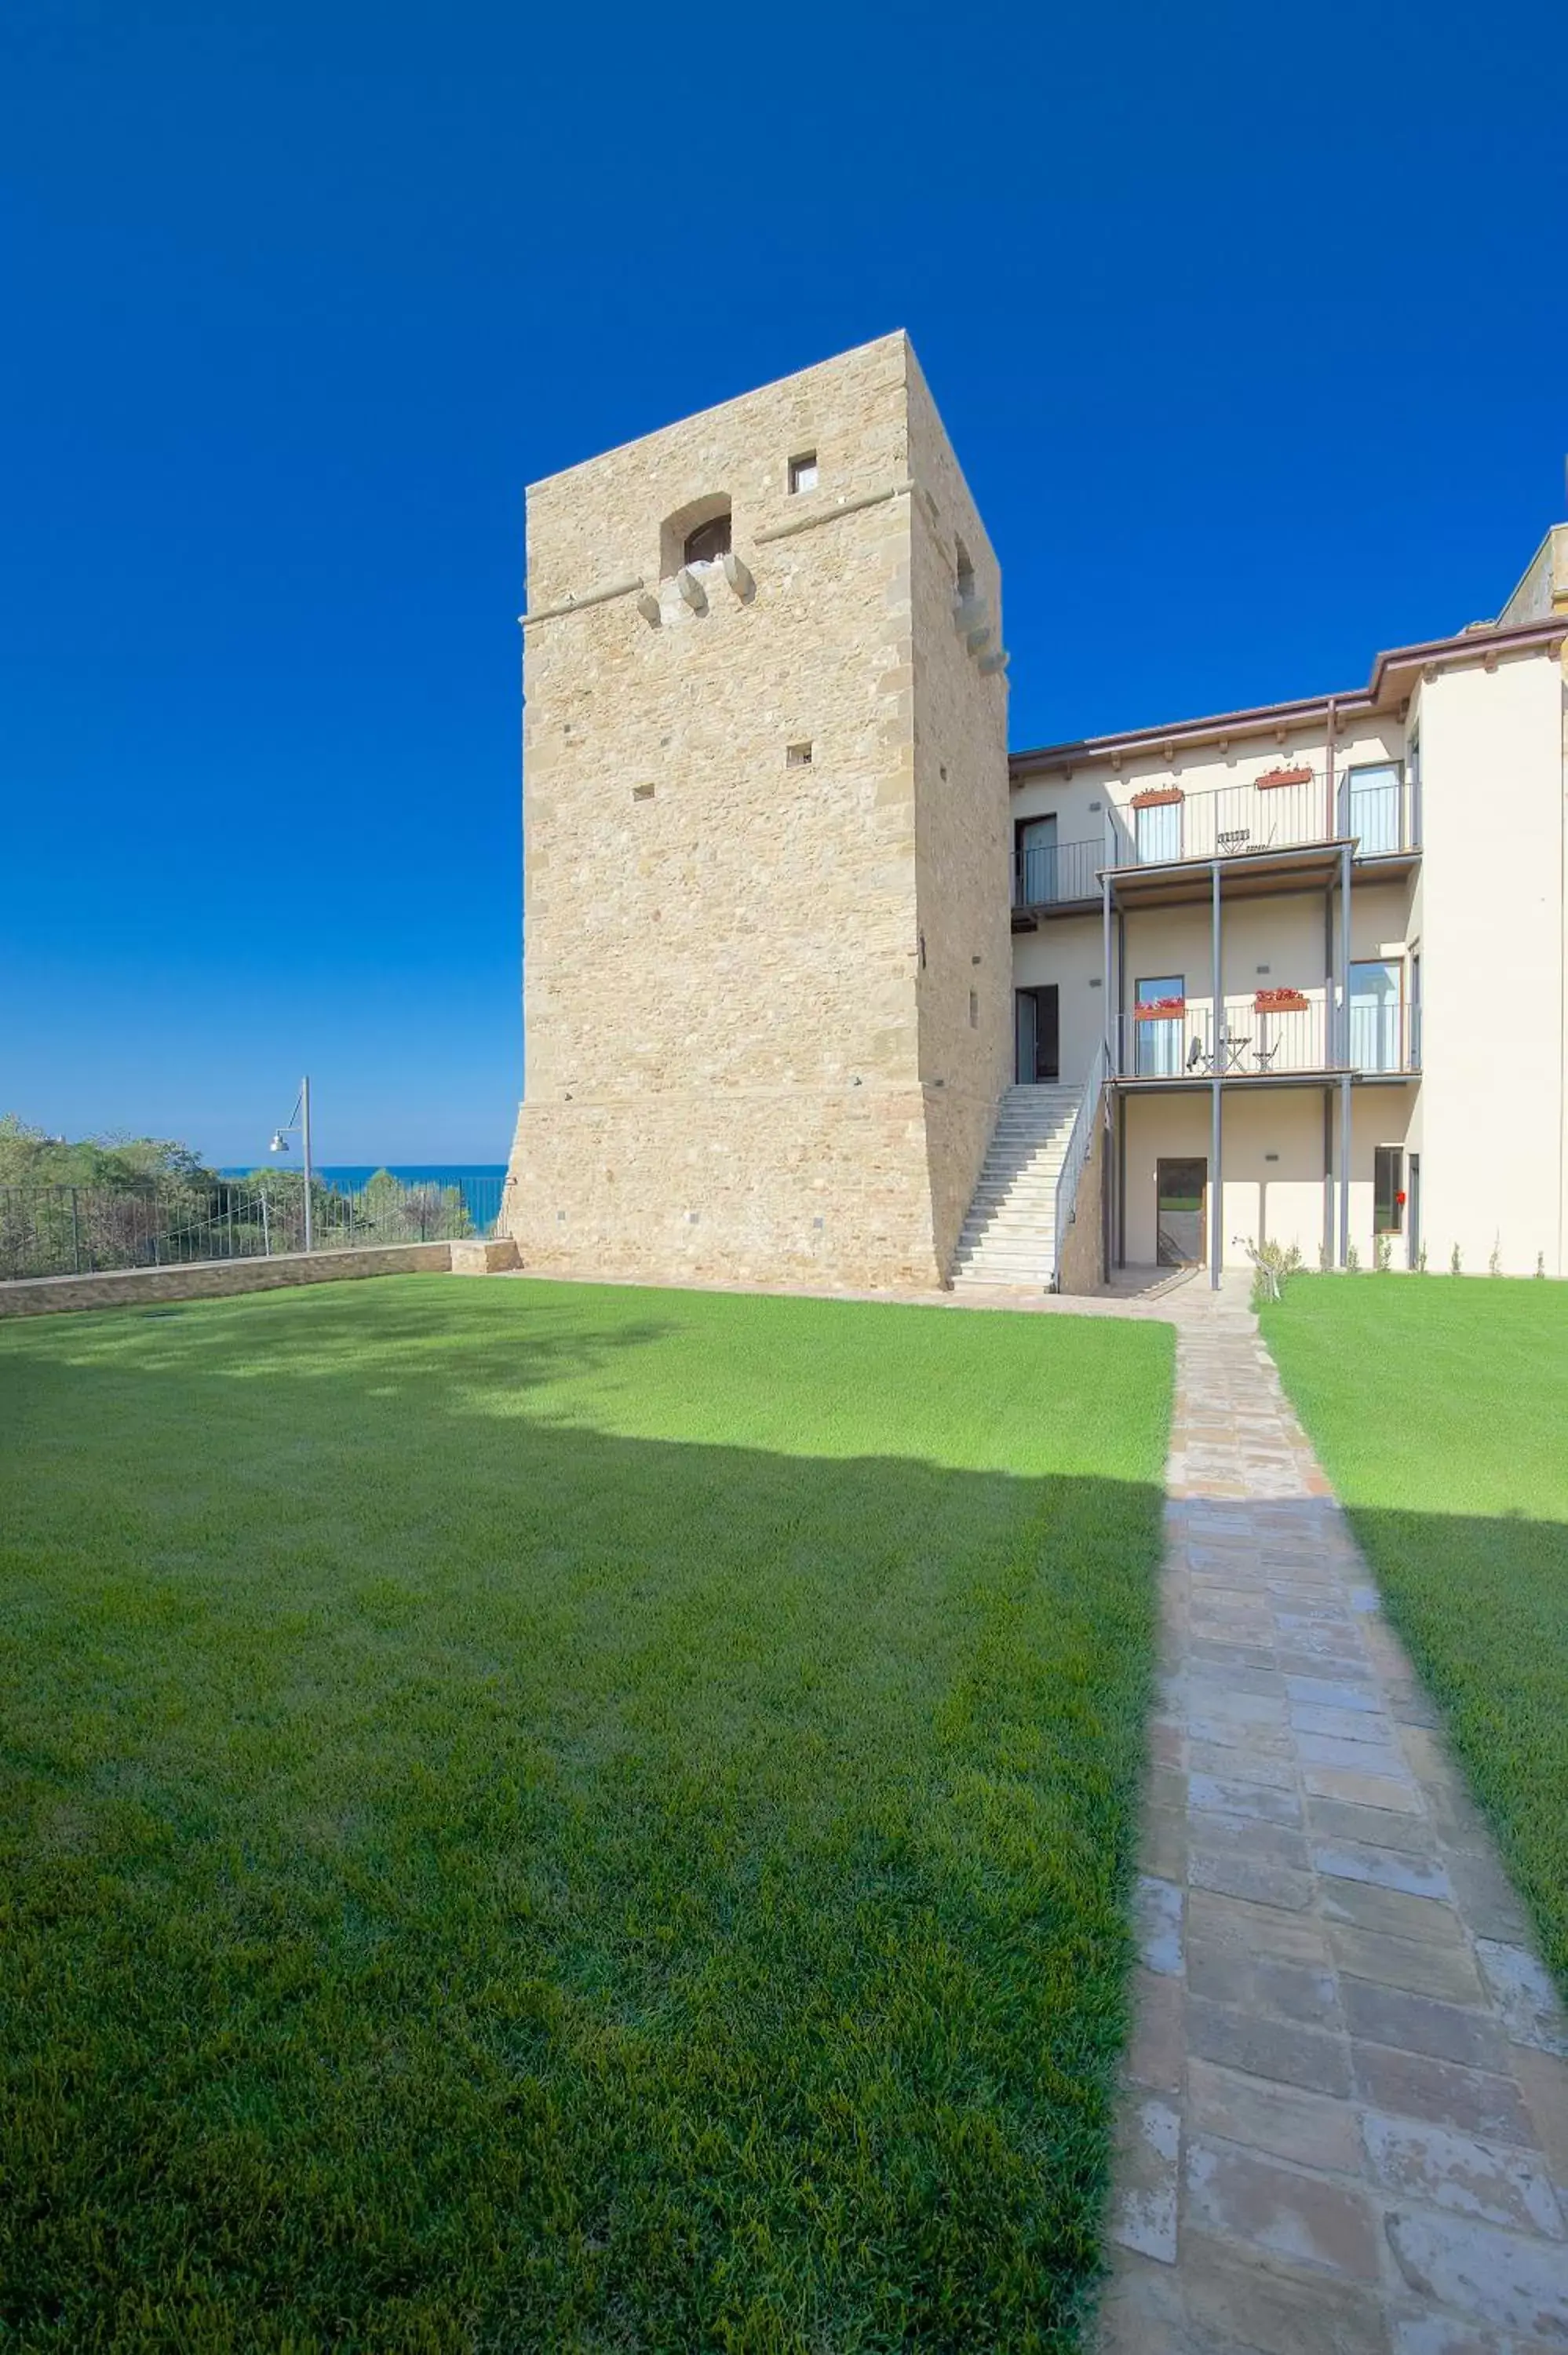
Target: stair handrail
x=1079, y=1141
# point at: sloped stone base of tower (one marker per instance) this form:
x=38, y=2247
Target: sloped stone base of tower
x=776, y=1186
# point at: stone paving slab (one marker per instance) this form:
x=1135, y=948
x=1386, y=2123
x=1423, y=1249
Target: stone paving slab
x=1345, y=2123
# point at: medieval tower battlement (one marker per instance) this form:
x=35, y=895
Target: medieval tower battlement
x=768, y=984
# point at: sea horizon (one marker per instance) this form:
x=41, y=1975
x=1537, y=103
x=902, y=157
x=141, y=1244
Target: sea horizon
x=356, y=1174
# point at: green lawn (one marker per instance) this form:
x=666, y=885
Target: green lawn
x=1440, y=1408
x=540, y=1816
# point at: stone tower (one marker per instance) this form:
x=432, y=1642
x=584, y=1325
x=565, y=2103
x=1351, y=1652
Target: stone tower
x=768, y=991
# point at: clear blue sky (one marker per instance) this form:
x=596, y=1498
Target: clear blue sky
x=1249, y=324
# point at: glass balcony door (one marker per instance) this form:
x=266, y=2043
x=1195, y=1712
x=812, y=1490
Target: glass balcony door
x=1158, y=833
x=1376, y=1012
x=1374, y=800
x=1038, y=882
x=1156, y=1044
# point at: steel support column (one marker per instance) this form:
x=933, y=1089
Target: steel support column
x=1112, y=1042
x=1110, y=1176
x=1216, y=1173
x=1345, y=1055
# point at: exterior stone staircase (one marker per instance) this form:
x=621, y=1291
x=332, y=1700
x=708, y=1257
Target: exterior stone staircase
x=1010, y=1234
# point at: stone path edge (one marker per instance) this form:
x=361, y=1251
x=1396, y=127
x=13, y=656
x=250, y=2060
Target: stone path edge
x=1343, y=2127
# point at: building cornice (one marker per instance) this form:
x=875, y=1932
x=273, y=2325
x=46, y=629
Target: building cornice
x=1484, y=647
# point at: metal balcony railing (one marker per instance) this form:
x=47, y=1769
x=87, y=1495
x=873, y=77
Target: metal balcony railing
x=1050, y=873
x=1377, y=812
x=1268, y=1036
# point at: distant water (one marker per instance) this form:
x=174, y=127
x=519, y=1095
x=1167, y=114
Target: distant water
x=480, y=1181
x=352, y=1175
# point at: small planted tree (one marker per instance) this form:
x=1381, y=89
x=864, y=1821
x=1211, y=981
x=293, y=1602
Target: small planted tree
x=1272, y=1263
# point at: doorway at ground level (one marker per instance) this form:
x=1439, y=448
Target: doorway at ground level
x=1039, y=1034
x=1182, y=1188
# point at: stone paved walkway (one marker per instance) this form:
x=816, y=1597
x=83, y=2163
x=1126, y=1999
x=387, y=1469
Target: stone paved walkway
x=1345, y=2127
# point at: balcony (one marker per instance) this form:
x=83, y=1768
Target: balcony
x=1052, y=876
x=1283, y=831
x=1270, y=1036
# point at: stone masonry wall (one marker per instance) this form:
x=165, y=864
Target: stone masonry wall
x=962, y=830
x=1082, y=1268
x=130, y=1287
x=748, y=968
x=777, y=1186
x=722, y=941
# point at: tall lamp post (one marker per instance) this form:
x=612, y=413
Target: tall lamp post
x=300, y=1119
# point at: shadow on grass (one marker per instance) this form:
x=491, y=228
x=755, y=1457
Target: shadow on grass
x=480, y=1881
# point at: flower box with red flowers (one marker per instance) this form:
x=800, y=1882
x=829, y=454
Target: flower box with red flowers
x=1160, y=1009
x=1273, y=778
x=1280, y=1001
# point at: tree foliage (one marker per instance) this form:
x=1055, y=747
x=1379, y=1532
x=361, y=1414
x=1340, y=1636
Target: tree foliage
x=30, y=1157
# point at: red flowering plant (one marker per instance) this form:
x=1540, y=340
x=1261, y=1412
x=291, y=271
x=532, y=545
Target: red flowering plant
x=1280, y=1001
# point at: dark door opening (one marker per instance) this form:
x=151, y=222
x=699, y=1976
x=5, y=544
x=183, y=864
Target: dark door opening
x=1039, y=1034
x=1182, y=1190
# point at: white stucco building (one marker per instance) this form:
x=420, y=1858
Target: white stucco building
x=1308, y=961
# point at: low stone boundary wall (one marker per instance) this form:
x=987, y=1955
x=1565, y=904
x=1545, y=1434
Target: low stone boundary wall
x=127, y=1288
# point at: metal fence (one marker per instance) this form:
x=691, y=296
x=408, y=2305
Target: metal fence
x=1048, y=873
x=1266, y=1034
x=88, y=1230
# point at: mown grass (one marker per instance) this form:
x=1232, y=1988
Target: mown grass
x=549, y=1817
x=1440, y=1408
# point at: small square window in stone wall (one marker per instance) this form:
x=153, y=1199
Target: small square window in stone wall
x=797, y=756
x=803, y=472
x=642, y=793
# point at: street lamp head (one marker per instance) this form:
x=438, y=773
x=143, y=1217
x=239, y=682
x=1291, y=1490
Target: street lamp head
x=279, y=1142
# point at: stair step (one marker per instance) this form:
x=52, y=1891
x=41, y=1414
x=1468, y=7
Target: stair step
x=1032, y=1173
x=995, y=1283
x=1002, y=1258
x=1007, y=1240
